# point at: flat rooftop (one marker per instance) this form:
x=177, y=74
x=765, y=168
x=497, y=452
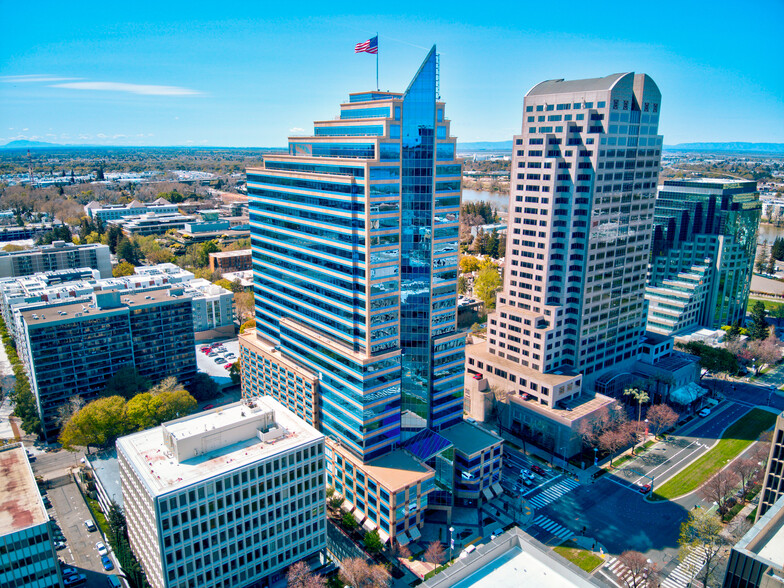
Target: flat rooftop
x=766, y=537
x=236, y=253
x=479, y=351
x=21, y=505
x=468, y=438
x=395, y=470
x=235, y=423
x=107, y=470
x=573, y=409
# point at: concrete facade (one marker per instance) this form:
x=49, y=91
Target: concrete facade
x=57, y=256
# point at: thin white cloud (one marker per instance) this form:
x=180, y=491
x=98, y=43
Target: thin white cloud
x=145, y=89
x=296, y=131
x=34, y=78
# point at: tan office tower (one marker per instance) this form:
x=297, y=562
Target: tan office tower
x=584, y=174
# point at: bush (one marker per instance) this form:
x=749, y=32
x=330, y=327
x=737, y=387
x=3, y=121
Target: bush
x=732, y=512
x=752, y=515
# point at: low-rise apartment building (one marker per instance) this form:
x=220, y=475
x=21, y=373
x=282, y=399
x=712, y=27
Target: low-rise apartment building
x=57, y=256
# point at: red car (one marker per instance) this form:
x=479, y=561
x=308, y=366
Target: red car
x=208, y=407
x=477, y=376
x=538, y=470
x=228, y=366
x=644, y=489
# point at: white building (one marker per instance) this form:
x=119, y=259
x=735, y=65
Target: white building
x=106, y=212
x=27, y=555
x=231, y=497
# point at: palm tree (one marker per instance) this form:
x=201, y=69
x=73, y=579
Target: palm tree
x=641, y=396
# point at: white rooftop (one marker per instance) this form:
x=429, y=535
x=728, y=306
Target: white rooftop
x=197, y=447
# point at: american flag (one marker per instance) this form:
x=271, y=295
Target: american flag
x=369, y=46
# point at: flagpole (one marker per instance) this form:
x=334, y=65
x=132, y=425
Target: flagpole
x=377, y=88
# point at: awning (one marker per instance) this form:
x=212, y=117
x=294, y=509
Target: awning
x=359, y=515
x=415, y=534
x=403, y=538
x=487, y=494
x=687, y=394
x=498, y=489
x=369, y=525
x=383, y=536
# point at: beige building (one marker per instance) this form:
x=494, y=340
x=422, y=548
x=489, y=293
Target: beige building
x=584, y=175
x=773, y=486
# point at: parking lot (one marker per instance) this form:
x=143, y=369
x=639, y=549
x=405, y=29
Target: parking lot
x=217, y=370
x=70, y=512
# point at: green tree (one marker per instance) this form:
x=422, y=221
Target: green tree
x=493, y=243
x=235, y=371
x=204, y=253
x=733, y=333
x=771, y=268
x=641, y=396
x=349, y=521
x=762, y=258
x=129, y=251
x=702, y=529
x=114, y=236
x=251, y=324
x=126, y=382
x=759, y=326
x=98, y=424
x=373, y=542
x=462, y=285
x=468, y=264
x=486, y=285
x=142, y=411
x=175, y=404
x=777, y=251
x=26, y=408
x=123, y=269
x=203, y=387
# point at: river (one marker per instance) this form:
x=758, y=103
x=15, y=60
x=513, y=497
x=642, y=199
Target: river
x=496, y=200
x=766, y=233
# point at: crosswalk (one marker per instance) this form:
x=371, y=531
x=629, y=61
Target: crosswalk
x=552, y=527
x=686, y=570
x=552, y=493
x=624, y=574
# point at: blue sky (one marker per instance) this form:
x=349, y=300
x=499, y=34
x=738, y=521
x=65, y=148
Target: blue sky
x=252, y=73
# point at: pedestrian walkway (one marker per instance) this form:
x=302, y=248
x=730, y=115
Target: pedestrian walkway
x=624, y=574
x=682, y=575
x=552, y=493
x=553, y=528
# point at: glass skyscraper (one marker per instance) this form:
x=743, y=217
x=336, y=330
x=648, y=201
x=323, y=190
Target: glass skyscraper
x=354, y=238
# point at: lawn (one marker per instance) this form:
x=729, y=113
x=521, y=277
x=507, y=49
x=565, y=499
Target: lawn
x=735, y=440
x=580, y=557
x=100, y=518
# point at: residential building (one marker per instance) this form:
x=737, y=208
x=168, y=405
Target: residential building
x=773, y=485
x=229, y=497
x=213, y=306
x=106, y=212
x=73, y=349
x=510, y=560
x=757, y=560
x=702, y=258
x=27, y=555
x=57, y=256
x=354, y=235
x=584, y=175
x=231, y=261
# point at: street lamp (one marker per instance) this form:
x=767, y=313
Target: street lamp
x=451, y=542
x=596, y=456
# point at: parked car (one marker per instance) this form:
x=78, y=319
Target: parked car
x=538, y=470
x=107, y=563
x=467, y=551
x=528, y=483
x=205, y=349
x=228, y=366
x=704, y=412
x=208, y=407
x=76, y=580
x=69, y=571
x=101, y=548
x=219, y=360
x=90, y=526
x=644, y=488
x=498, y=531
x=58, y=545
x=113, y=581
x=212, y=354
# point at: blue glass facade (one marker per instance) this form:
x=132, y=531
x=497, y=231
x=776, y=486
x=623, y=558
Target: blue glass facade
x=355, y=266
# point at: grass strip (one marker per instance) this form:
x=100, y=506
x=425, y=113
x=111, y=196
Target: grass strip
x=733, y=442
x=580, y=557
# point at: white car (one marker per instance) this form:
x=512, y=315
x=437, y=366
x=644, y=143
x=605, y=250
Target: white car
x=90, y=526
x=101, y=548
x=704, y=412
x=526, y=474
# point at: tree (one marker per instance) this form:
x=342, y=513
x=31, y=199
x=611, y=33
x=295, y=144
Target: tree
x=641, y=396
x=702, y=529
x=114, y=236
x=26, y=407
x=462, y=285
x=129, y=251
x=613, y=440
x=334, y=501
x=206, y=248
x=373, y=542
x=349, y=521
x=713, y=359
x=67, y=410
x=733, y=333
x=762, y=352
x=142, y=411
x=244, y=305
x=235, y=371
x=123, y=269
x=300, y=576
x=493, y=243
x=357, y=573
x=759, y=326
x=434, y=553
x=771, y=267
x=486, y=285
x=661, y=417
x=126, y=382
x=175, y=404
x=469, y=264
x=744, y=468
x=761, y=262
x=251, y=324
x=641, y=574
x=203, y=387
x=399, y=551
x=777, y=251
x=720, y=487
x=97, y=424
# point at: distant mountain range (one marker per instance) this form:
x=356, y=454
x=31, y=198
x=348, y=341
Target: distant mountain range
x=730, y=147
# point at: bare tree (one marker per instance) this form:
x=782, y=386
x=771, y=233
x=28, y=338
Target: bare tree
x=702, y=530
x=720, y=487
x=761, y=450
x=661, y=417
x=434, y=553
x=399, y=551
x=766, y=351
x=300, y=576
x=67, y=410
x=358, y=573
x=745, y=469
x=614, y=440
x=641, y=574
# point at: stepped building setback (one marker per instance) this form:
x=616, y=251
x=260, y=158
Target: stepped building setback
x=354, y=238
x=229, y=497
x=584, y=175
